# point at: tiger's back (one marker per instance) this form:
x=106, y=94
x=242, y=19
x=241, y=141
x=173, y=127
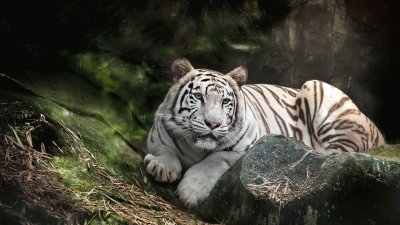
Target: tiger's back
x=320, y=115
x=272, y=107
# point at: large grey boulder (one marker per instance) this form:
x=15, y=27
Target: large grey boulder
x=280, y=181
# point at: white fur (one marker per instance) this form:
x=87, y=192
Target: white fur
x=180, y=140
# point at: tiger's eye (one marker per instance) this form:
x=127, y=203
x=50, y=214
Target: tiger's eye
x=225, y=101
x=198, y=96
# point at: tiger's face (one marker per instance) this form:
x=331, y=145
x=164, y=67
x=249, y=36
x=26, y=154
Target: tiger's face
x=204, y=108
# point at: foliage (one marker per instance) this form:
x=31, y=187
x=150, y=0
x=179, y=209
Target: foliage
x=132, y=83
x=85, y=173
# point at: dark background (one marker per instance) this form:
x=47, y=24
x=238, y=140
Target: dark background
x=353, y=45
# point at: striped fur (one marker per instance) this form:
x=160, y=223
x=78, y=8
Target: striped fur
x=209, y=119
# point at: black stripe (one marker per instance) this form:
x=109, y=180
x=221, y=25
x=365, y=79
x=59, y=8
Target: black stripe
x=348, y=143
x=321, y=130
x=349, y=112
x=329, y=137
x=194, y=111
x=282, y=121
x=282, y=124
x=297, y=133
x=230, y=148
x=209, y=85
x=259, y=108
x=276, y=97
x=293, y=115
x=315, y=101
x=309, y=123
x=301, y=112
x=177, y=95
x=291, y=92
x=321, y=93
x=184, y=109
x=336, y=146
x=335, y=107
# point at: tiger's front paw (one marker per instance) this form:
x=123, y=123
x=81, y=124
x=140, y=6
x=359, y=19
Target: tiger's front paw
x=163, y=168
x=193, y=189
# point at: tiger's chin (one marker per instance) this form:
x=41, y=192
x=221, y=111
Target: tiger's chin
x=207, y=144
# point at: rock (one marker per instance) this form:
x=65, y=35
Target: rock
x=279, y=181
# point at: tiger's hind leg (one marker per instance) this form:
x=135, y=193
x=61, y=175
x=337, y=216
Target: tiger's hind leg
x=331, y=123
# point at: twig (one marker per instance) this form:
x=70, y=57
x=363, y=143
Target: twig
x=301, y=159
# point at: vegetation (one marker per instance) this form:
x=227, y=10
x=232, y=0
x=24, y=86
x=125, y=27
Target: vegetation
x=76, y=167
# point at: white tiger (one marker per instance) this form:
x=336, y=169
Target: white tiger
x=208, y=120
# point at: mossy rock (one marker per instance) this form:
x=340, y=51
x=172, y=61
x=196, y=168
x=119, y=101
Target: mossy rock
x=279, y=181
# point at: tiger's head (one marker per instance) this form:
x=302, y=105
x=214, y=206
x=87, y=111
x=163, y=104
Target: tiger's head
x=205, y=107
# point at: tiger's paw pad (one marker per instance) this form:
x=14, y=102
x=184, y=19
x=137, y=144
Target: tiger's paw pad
x=193, y=190
x=162, y=169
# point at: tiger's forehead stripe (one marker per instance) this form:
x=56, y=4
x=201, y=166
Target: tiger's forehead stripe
x=216, y=86
x=215, y=79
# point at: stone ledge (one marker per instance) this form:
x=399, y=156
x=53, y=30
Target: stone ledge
x=272, y=185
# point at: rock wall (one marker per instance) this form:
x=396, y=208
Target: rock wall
x=349, y=44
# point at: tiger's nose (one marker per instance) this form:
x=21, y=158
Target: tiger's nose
x=212, y=124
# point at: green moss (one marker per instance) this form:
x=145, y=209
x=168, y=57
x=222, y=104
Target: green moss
x=121, y=160
x=111, y=73
x=138, y=86
x=85, y=136
x=107, y=147
x=109, y=219
x=387, y=152
x=73, y=174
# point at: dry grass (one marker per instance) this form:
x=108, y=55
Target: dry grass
x=31, y=171
x=26, y=168
x=280, y=189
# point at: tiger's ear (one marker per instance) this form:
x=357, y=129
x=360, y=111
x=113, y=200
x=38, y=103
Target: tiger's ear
x=239, y=75
x=180, y=68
